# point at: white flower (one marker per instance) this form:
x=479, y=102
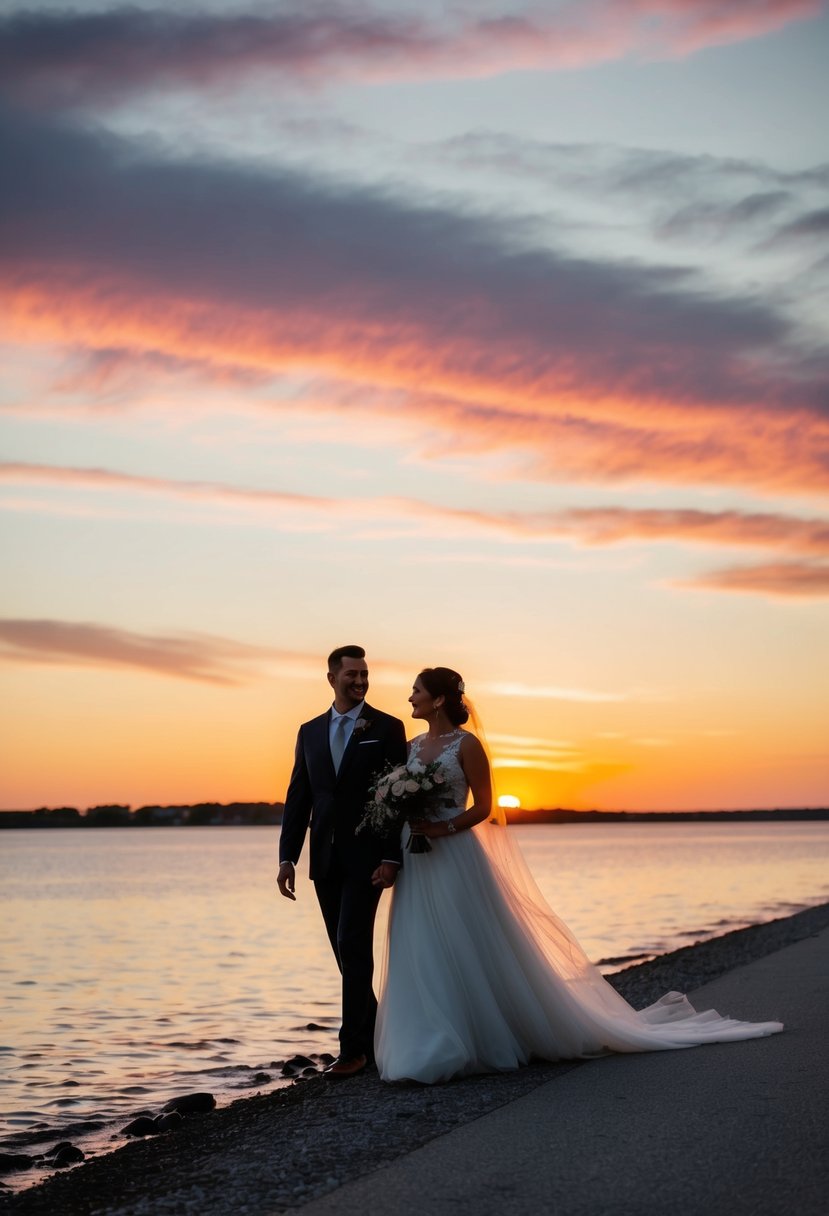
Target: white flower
x=427, y=785
x=361, y=724
x=411, y=787
x=398, y=788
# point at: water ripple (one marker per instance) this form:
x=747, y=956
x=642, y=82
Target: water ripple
x=152, y=965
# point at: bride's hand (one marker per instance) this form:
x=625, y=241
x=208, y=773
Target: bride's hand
x=427, y=827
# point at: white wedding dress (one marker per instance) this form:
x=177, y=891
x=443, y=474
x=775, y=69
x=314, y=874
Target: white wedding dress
x=481, y=976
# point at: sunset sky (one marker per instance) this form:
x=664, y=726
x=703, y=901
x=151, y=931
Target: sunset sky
x=483, y=334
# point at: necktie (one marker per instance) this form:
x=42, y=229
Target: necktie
x=338, y=743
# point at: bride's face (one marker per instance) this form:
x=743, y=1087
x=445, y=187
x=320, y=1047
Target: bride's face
x=421, y=701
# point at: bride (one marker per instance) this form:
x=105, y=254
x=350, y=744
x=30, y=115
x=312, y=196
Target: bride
x=480, y=974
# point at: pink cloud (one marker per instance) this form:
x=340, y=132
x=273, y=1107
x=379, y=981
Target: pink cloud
x=672, y=442
x=591, y=526
x=613, y=525
x=795, y=580
x=690, y=25
x=579, y=369
x=190, y=657
x=65, y=58
x=108, y=479
x=114, y=375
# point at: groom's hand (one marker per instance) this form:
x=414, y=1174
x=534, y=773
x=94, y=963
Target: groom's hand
x=286, y=880
x=385, y=874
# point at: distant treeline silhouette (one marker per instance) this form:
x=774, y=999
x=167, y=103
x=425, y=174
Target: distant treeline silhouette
x=559, y=815
x=217, y=814
x=115, y=815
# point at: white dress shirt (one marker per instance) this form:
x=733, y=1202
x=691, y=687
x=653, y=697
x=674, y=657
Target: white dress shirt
x=350, y=717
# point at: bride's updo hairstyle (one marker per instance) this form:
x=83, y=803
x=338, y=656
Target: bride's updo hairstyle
x=444, y=682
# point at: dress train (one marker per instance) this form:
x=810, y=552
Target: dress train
x=481, y=976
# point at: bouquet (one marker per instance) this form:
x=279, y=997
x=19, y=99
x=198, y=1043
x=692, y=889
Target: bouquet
x=400, y=794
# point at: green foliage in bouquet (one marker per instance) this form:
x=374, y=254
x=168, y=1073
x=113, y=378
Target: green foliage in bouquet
x=400, y=794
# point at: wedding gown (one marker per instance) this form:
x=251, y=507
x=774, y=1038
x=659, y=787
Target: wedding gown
x=481, y=976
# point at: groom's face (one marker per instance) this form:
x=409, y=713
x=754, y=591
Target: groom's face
x=350, y=683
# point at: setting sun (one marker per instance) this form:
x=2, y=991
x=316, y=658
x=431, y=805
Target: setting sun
x=509, y=801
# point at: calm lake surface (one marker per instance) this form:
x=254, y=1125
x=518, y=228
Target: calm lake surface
x=138, y=964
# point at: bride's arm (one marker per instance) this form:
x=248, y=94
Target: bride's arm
x=475, y=763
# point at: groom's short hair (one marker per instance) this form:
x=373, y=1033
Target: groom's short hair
x=344, y=652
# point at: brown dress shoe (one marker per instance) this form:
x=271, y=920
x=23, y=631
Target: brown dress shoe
x=342, y=1067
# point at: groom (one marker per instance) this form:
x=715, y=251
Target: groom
x=337, y=755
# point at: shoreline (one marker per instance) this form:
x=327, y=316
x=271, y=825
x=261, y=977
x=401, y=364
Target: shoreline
x=306, y=1140
x=236, y=815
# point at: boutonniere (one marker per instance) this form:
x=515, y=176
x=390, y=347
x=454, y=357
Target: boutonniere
x=360, y=725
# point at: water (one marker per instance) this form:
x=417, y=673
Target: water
x=140, y=964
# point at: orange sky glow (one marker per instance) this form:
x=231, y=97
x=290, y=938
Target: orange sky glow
x=494, y=340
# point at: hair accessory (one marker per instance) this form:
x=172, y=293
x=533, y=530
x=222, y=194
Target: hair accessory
x=461, y=686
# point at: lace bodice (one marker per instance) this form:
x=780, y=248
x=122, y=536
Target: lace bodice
x=457, y=787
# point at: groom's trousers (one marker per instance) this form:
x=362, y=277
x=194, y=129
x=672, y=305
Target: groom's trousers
x=349, y=906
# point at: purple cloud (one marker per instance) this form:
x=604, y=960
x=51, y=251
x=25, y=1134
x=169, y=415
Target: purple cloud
x=197, y=657
x=603, y=367
x=69, y=58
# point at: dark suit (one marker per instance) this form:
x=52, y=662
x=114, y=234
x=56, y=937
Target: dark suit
x=342, y=863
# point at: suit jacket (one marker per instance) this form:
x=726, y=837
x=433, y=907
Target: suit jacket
x=333, y=803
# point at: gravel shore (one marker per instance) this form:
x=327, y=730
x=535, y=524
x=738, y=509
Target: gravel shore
x=276, y=1151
